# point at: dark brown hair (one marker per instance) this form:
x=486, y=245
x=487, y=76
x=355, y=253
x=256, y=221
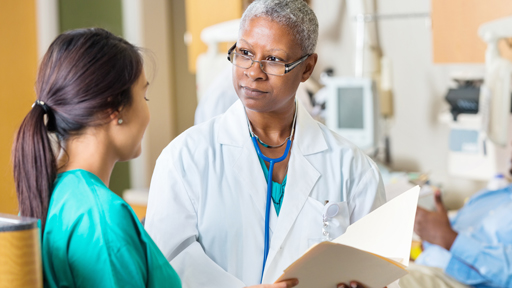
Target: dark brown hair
x=85, y=76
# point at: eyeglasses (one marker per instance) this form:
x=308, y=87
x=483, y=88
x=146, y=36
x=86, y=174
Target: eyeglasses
x=269, y=67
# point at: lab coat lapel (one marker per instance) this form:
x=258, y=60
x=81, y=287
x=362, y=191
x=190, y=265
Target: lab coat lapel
x=302, y=177
x=249, y=171
x=233, y=131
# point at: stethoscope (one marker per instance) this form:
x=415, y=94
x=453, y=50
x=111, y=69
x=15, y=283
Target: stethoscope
x=271, y=161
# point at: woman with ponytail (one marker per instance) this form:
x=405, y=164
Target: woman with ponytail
x=91, y=95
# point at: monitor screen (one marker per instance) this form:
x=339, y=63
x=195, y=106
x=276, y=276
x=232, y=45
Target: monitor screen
x=350, y=108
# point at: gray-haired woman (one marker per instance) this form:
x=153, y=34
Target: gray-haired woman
x=211, y=210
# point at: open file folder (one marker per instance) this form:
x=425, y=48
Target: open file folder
x=374, y=250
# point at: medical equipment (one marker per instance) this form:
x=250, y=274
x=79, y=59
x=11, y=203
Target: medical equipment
x=471, y=153
x=464, y=98
x=495, y=92
x=271, y=161
x=480, y=144
x=352, y=109
x=213, y=62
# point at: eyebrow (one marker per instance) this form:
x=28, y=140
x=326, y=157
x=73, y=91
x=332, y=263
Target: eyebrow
x=277, y=49
x=271, y=50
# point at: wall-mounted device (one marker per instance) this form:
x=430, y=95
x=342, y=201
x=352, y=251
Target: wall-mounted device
x=480, y=130
x=352, y=109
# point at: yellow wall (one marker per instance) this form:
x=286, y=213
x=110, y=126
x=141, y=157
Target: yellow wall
x=18, y=66
x=203, y=13
x=455, y=24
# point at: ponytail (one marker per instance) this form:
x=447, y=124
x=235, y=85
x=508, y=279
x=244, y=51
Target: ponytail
x=34, y=164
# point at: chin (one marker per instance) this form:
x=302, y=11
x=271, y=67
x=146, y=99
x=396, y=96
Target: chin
x=254, y=104
x=137, y=152
x=133, y=155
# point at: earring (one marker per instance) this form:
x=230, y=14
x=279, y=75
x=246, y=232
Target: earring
x=120, y=121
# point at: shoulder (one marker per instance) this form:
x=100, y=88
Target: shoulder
x=199, y=135
x=195, y=141
x=359, y=171
x=80, y=197
x=200, y=142
x=346, y=152
x=75, y=191
x=83, y=187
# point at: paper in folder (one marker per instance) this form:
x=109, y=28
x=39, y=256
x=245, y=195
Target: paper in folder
x=374, y=250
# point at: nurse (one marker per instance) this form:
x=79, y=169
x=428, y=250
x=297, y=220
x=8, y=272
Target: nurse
x=209, y=201
x=91, y=95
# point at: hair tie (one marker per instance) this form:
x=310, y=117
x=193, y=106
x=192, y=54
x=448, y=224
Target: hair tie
x=45, y=107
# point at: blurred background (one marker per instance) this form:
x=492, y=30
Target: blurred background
x=424, y=63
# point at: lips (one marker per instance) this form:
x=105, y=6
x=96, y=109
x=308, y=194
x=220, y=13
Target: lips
x=252, y=91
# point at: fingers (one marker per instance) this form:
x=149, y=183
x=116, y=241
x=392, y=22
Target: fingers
x=419, y=220
x=420, y=210
x=353, y=284
x=439, y=202
x=284, y=284
x=421, y=213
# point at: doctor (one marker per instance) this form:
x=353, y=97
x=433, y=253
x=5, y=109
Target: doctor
x=208, y=201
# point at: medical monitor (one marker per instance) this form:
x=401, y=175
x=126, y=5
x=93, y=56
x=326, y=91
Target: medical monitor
x=352, y=110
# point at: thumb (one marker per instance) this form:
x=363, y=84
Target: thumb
x=439, y=202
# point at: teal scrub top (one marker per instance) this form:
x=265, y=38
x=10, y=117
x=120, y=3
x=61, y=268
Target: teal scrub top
x=277, y=189
x=92, y=238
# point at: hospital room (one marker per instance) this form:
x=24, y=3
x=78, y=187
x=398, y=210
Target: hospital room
x=256, y=143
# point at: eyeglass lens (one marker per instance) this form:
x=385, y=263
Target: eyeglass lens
x=269, y=67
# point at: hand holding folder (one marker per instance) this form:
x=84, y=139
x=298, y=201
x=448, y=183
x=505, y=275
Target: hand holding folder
x=373, y=251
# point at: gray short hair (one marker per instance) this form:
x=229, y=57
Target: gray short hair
x=296, y=15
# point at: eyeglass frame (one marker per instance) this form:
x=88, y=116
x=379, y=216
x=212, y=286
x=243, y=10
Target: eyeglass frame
x=287, y=66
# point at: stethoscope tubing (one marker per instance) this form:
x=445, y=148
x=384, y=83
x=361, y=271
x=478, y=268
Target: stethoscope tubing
x=271, y=162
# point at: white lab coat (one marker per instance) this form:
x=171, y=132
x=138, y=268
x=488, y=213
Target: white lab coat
x=206, y=207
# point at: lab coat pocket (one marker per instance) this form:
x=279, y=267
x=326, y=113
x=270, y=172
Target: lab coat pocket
x=313, y=217
x=339, y=223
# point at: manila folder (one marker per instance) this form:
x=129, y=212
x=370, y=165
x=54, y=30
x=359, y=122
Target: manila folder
x=329, y=263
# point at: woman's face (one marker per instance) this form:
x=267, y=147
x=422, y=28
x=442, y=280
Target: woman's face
x=264, y=39
x=135, y=119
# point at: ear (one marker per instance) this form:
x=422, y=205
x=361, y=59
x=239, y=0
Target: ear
x=114, y=116
x=310, y=64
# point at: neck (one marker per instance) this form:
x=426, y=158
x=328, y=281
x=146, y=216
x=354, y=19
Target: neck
x=89, y=152
x=273, y=127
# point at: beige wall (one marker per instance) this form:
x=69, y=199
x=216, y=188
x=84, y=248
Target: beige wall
x=185, y=82
x=172, y=91
x=157, y=39
x=18, y=65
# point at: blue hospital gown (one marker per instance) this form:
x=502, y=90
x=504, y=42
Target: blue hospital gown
x=481, y=255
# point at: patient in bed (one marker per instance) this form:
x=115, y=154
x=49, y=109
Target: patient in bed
x=474, y=249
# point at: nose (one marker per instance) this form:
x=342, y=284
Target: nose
x=255, y=72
